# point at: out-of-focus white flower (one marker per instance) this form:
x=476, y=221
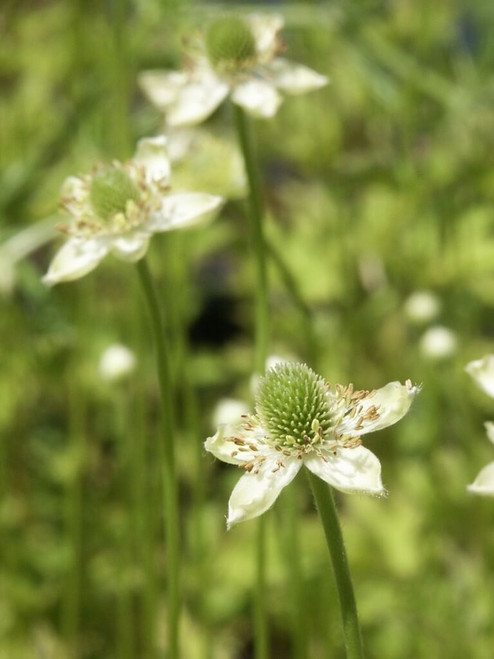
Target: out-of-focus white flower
x=116, y=209
x=271, y=362
x=116, y=363
x=482, y=372
x=301, y=420
x=484, y=483
x=438, y=343
x=422, y=307
x=228, y=410
x=237, y=56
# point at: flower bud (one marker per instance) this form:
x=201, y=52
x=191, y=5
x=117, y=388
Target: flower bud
x=116, y=363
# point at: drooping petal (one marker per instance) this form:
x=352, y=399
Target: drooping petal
x=484, y=483
x=237, y=443
x=162, y=87
x=130, y=246
x=75, y=259
x=257, y=491
x=294, y=78
x=265, y=29
x=391, y=403
x=151, y=154
x=482, y=371
x=197, y=100
x=182, y=210
x=489, y=426
x=258, y=97
x=350, y=470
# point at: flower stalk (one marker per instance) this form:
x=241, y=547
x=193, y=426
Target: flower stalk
x=261, y=347
x=325, y=504
x=167, y=451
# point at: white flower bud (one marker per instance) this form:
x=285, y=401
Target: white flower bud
x=229, y=410
x=116, y=363
x=438, y=343
x=422, y=307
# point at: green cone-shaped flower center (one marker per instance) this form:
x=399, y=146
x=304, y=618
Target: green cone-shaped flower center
x=110, y=191
x=230, y=42
x=292, y=405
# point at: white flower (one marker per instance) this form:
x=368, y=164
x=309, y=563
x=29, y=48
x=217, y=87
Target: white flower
x=438, y=343
x=116, y=363
x=301, y=420
x=116, y=209
x=422, y=307
x=482, y=371
x=484, y=483
x=237, y=57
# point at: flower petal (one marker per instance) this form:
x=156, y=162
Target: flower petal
x=350, y=470
x=257, y=491
x=392, y=403
x=484, y=483
x=75, y=259
x=197, y=100
x=237, y=444
x=489, y=426
x=258, y=97
x=182, y=210
x=294, y=78
x=151, y=154
x=482, y=371
x=265, y=29
x=74, y=195
x=162, y=87
x=130, y=246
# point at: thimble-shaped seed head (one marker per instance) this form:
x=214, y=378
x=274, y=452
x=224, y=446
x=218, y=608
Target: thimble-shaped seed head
x=230, y=42
x=111, y=189
x=292, y=405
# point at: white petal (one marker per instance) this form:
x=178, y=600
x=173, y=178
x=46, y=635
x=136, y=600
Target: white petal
x=197, y=100
x=294, y=78
x=256, y=492
x=182, y=210
x=75, y=259
x=74, y=193
x=130, y=246
x=482, y=371
x=350, y=470
x=392, y=403
x=162, y=87
x=151, y=153
x=258, y=97
x=265, y=29
x=234, y=444
x=489, y=426
x=484, y=483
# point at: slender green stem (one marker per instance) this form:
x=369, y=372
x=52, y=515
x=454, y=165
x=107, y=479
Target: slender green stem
x=323, y=497
x=257, y=236
x=167, y=451
x=259, y=250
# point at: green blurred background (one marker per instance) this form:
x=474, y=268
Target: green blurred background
x=378, y=186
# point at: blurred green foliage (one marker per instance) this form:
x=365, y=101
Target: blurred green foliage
x=378, y=186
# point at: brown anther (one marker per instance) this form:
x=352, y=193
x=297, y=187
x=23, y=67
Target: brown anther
x=253, y=447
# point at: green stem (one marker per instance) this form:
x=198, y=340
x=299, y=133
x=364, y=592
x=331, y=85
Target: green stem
x=257, y=237
x=167, y=455
x=259, y=250
x=323, y=497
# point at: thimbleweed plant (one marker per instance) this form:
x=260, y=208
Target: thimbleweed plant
x=236, y=56
x=482, y=372
x=116, y=208
x=300, y=420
